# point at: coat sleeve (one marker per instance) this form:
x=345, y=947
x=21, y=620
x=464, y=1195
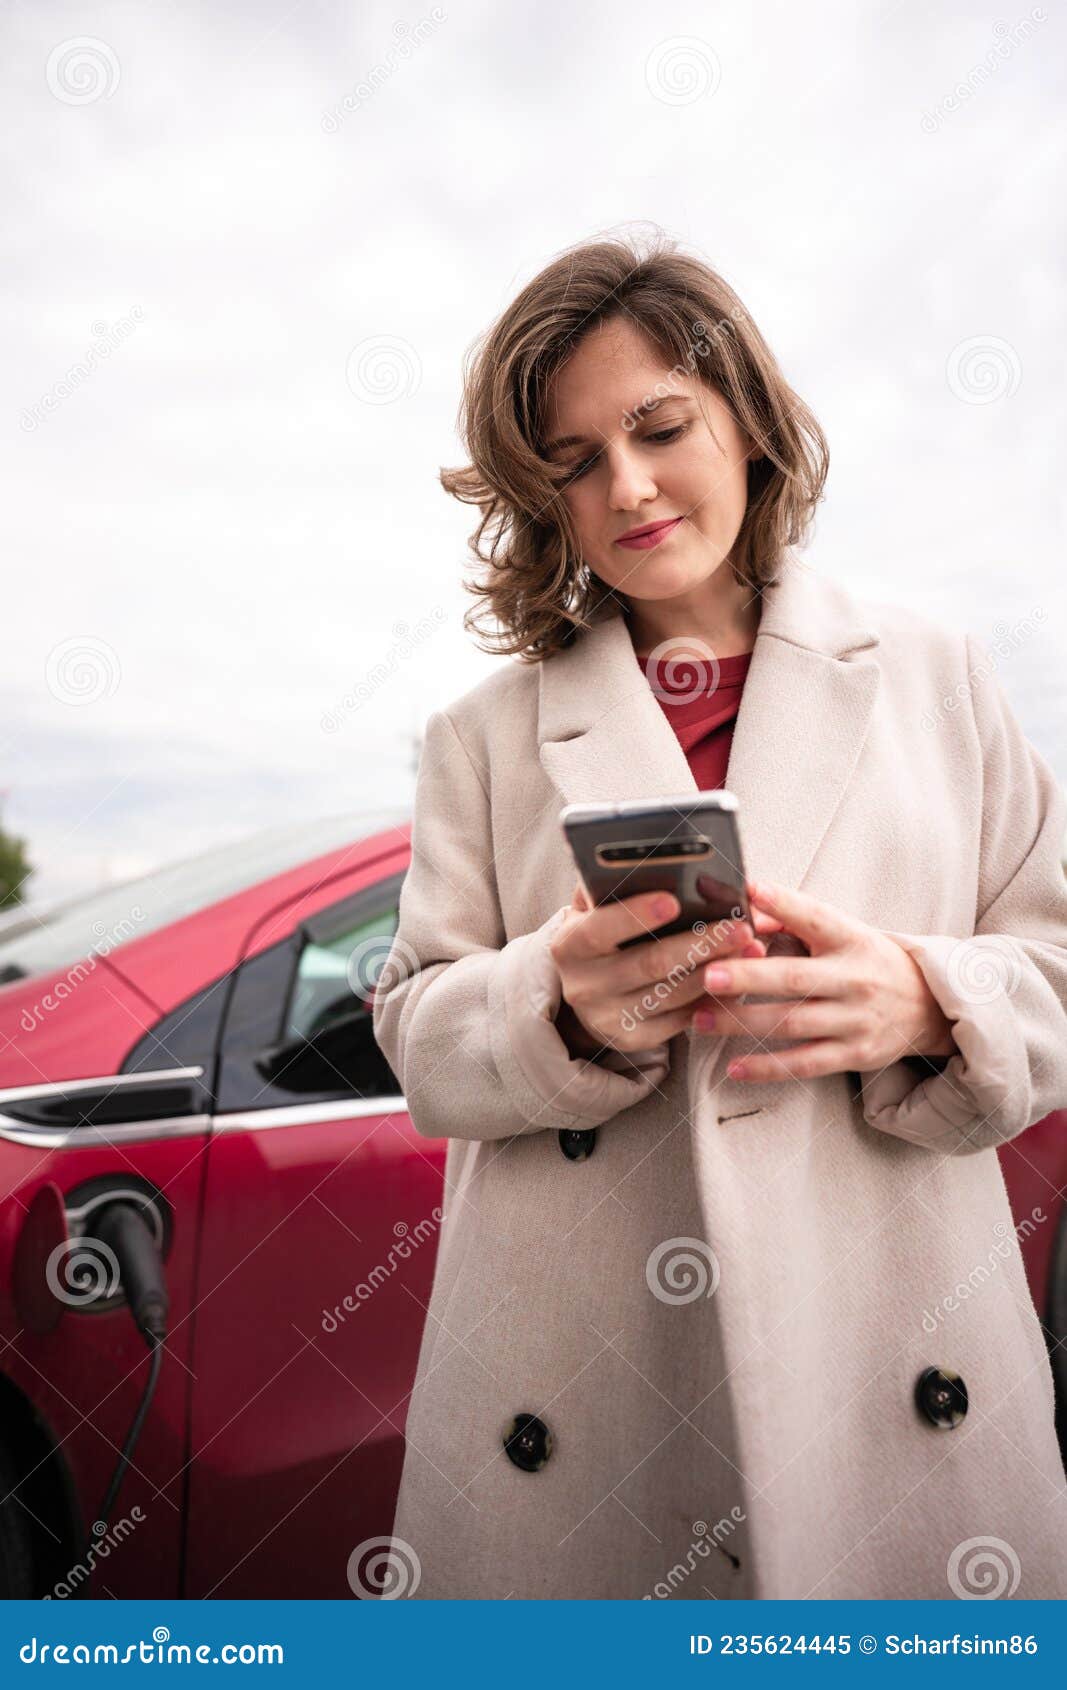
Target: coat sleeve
x=1004, y=988
x=465, y=1019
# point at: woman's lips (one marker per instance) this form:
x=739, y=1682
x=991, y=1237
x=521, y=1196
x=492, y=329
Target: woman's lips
x=652, y=538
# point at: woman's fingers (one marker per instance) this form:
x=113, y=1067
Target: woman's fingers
x=779, y=977
x=602, y=929
x=663, y=995
x=765, y=923
x=642, y=966
x=801, y=1062
x=815, y=1018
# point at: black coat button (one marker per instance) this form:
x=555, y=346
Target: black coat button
x=577, y=1143
x=528, y=1442
x=941, y=1396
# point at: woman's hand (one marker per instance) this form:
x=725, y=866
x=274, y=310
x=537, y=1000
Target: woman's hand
x=638, y=997
x=859, y=1001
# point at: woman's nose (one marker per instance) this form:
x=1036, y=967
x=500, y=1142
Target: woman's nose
x=629, y=487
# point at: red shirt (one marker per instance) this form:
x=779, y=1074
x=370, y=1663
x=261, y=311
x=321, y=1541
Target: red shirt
x=700, y=700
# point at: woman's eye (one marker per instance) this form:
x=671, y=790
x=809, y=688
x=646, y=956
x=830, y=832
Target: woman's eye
x=580, y=469
x=661, y=437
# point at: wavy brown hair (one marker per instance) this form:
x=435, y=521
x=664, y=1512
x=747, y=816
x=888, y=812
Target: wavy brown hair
x=538, y=591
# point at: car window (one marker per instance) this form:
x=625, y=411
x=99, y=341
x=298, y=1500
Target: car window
x=36, y=940
x=299, y=1026
x=335, y=977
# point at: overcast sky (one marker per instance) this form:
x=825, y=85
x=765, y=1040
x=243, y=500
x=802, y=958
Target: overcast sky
x=269, y=258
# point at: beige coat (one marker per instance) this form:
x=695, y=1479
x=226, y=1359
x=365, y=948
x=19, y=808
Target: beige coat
x=720, y=1315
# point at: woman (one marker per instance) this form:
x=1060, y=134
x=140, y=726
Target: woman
x=693, y=1329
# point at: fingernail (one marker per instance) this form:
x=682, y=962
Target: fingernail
x=663, y=907
x=736, y=1069
x=704, y=1020
x=716, y=978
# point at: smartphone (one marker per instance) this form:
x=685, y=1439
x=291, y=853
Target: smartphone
x=690, y=846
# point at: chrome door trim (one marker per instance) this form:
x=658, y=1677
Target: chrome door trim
x=84, y=1138
x=79, y=1138
x=64, y=1088
x=304, y=1114
x=178, y=1126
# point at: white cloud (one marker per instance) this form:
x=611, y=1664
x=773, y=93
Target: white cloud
x=213, y=502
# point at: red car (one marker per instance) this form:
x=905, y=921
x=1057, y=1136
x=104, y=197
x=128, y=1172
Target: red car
x=197, y=1045
x=200, y=1040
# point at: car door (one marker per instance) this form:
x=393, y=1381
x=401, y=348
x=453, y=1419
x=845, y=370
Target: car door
x=319, y=1239
x=132, y=1128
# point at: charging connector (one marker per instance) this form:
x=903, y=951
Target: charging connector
x=122, y=1229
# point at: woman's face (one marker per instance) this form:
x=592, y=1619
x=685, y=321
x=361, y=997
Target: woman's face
x=637, y=465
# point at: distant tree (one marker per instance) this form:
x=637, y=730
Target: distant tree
x=15, y=869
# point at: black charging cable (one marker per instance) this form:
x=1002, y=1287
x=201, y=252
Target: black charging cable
x=123, y=1230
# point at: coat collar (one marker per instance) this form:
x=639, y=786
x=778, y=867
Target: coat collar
x=803, y=719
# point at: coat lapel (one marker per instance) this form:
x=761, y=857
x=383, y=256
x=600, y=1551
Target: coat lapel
x=804, y=716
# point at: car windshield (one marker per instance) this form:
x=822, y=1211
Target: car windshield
x=38, y=941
